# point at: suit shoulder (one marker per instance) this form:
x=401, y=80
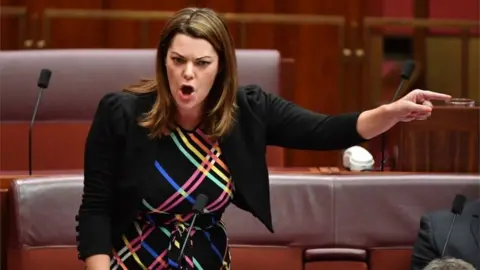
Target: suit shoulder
x=446, y=215
x=438, y=221
x=472, y=208
x=438, y=215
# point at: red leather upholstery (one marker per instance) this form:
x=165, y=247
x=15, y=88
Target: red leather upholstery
x=79, y=79
x=42, y=223
x=366, y=221
x=386, y=211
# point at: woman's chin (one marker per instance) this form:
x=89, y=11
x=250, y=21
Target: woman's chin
x=183, y=104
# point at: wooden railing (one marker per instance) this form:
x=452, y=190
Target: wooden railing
x=19, y=13
x=420, y=23
x=466, y=29
x=145, y=17
x=363, y=53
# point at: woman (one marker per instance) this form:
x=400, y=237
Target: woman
x=155, y=146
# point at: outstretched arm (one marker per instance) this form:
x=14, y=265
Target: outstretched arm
x=289, y=125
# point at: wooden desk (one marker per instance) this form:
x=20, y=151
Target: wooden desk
x=447, y=142
x=5, y=180
x=303, y=170
x=342, y=171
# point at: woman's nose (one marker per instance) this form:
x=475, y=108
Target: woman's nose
x=188, y=71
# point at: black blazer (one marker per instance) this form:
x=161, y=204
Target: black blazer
x=118, y=151
x=464, y=240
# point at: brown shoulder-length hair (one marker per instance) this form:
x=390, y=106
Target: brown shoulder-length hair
x=220, y=105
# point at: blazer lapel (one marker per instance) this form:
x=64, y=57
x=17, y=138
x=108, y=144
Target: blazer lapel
x=474, y=227
x=474, y=223
x=250, y=182
x=142, y=149
x=233, y=151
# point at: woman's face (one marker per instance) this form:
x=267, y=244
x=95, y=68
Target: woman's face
x=192, y=65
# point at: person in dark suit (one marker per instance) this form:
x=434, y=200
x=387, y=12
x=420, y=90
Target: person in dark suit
x=154, y=147
x=464, y=239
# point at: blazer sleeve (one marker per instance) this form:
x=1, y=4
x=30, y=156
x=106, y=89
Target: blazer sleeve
x=102, y=153
x=424, y=248
x=292, y=126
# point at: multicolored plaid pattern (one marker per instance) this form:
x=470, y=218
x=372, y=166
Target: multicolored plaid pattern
x=156, y=237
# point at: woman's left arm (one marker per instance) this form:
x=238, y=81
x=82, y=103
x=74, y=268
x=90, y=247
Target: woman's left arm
x=289, y=125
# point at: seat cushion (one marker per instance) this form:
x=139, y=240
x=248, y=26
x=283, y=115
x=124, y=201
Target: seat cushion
x=336, y=265
x=265, y=257
x=390, y=258
x=47, y=258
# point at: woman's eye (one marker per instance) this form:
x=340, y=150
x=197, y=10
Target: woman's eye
x=178, y=60
x=203, y=63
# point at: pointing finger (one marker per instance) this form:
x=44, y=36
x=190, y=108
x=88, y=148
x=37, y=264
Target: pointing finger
x=429, y=95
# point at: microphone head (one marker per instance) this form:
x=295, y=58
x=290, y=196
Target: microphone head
x=408, y=69
x=458, y=204
x=200, y=203
x=44, y=78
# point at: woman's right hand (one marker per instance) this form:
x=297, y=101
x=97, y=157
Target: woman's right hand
x=98, y=262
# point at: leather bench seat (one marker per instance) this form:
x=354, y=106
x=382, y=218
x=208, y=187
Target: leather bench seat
x=42, y=225
x=381, y=213
x=299, y=220
x=366, y=221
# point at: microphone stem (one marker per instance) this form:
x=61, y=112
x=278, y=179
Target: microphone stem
x=382, y=161
x=180, y=256
x=383, y=137
x=400, y=86
x=30, y=130
x=448, y=236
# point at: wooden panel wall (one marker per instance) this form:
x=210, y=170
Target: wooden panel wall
x=317, y=73
x=10, y=24
x=325, y=67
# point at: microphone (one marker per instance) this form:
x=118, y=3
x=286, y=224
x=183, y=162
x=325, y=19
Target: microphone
x=198, y=208
x=457, y=208
x=407, y=72
x=42, y=83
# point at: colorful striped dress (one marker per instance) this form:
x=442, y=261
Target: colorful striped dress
x=194, y=165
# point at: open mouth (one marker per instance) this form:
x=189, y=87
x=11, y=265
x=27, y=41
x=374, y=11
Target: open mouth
x=186, y=89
